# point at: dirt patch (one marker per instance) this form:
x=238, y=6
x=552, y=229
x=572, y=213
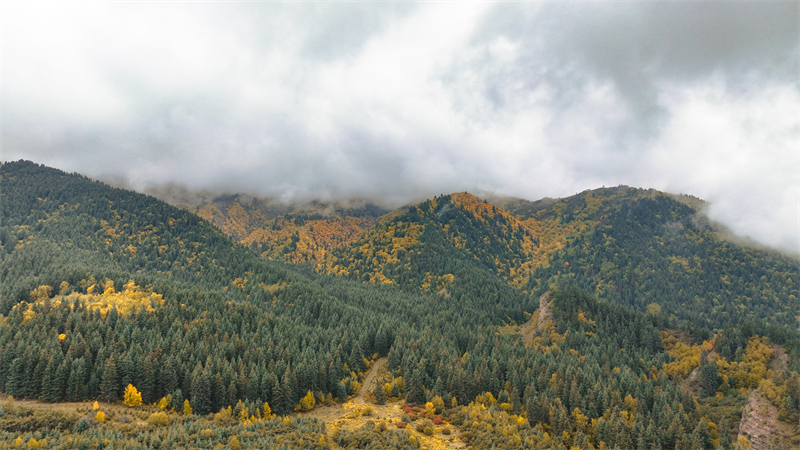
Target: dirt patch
x=369, y=380
x=780, y=360
x=356, y=412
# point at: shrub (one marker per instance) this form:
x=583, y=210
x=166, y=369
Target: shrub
x=446, y=431
x=428, y=431
x=367, y=411
x=100, y=416
x=424, y=425
x=158, y=419
x=401, y=424
x=438, y=404
x=437, y=421
x=81, y=426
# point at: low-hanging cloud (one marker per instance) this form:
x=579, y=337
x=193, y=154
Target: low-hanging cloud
x=400, y=101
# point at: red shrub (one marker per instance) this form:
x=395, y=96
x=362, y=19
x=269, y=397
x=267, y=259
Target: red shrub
x=401, y=424
x=407, y=409
x=437, y=421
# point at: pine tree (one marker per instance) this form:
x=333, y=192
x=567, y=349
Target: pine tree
x=708, y=378
x=380, y=398
x=15, y=377
x=54, y=390
x=109, y=383
x=414, y=392
x=76, y=383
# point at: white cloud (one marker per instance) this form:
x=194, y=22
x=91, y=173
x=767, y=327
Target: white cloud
x=402, y=101
x=740, y=152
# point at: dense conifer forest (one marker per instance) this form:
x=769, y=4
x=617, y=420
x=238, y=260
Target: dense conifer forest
x=615, y=319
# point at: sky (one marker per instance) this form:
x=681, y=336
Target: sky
x=401, y=101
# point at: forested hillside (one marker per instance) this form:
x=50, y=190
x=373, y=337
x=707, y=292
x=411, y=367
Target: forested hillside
x=294, y=233
x=652, y=251
x=105, y=290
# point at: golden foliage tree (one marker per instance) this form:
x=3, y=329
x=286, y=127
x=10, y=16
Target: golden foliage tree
x=306, y=403
x=267, y=411
x=132, y=396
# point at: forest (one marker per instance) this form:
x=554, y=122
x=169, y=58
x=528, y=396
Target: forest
x=631, y=325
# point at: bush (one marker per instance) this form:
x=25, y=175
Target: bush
x=81, y=426
x=446, y=431
x=401, y=424
x=423, y=425
x=437, y=421
x=19, y=419
x=159, y=419
x=428, y=431
x=367, y=411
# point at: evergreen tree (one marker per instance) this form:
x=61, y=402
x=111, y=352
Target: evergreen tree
x=708, y=378
x=377, y=391
x=109, y=384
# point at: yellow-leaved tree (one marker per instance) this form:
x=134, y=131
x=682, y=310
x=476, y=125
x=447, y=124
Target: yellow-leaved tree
x=306, y=403
x=267, y=411
x=132, y=396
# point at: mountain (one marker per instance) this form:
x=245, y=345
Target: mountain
x=104, y=288
x=641, y=248
x=294, y=233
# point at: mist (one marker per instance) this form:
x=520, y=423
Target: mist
x=393, y=102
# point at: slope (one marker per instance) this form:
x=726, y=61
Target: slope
x=212, y=323
x=649, y=250
x=438, y=244
x=294, y=233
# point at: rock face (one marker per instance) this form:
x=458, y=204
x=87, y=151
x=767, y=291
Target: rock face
x=540, y=321
x=545, y=314
x=759, y=423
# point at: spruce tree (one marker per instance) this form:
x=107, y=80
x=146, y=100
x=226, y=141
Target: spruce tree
x=109, y=382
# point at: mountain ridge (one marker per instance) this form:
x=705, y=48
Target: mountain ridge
x=104, y=287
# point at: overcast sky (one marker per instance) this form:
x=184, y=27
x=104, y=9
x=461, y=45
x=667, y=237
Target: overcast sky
x=401, y=101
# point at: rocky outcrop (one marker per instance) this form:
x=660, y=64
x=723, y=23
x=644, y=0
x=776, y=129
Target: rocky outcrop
x=545, y=312
x=540, y=321
x=760, y=424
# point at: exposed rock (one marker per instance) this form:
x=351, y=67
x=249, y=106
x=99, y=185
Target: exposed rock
x=545, y=312
x=540, y=320
x=760, y=424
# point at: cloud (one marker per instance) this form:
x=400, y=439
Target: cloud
x=401, y=101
